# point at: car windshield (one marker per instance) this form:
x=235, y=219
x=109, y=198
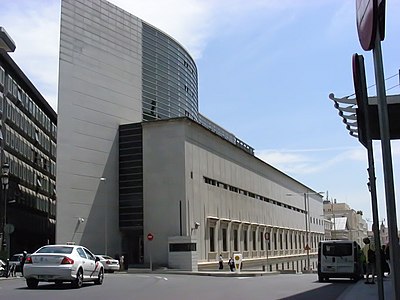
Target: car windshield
x=56, y=249
x=15, y=258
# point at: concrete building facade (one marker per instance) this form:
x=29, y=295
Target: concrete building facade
x=135, y=157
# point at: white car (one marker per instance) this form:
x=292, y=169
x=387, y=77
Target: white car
x=63, y=263
x=110, y=264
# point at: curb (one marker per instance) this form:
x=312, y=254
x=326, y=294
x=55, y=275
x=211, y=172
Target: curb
x=203, y=273
x=11, y=277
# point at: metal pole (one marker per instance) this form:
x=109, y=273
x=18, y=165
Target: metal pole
x=267, y=254
x=103, y=180
x=387, y=167
x=375, y=224
x=362, y=99
x=151, y=260
x=372, y=182
x=105, y=229
x=309, y=231
x=5, y=218
x=334, y=222
x=306, y=220
x=6, y=229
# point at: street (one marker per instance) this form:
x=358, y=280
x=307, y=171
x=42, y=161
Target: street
x=173, y=287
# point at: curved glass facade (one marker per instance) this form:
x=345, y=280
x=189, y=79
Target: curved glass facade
x=169, y=77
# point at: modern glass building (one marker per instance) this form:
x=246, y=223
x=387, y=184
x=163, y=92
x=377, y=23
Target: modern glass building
x=169, y=77
x=28, y=145
x=135, y=156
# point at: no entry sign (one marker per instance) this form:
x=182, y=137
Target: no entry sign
x=150, y=236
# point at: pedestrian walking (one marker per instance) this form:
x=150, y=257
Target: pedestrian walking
x=23, y=259
x=221, y=262
x=122, y=262
x=385, y=264
x=369, y=253
x=13, y=270
x=231, y=264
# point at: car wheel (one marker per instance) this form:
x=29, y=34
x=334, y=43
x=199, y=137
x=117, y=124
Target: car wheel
x=32, y=283
x=100, y=277
x=78, y=282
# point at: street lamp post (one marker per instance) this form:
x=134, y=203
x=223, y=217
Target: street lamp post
x=4, y=184
x=103, y=179
x=307, y=221
x=307, y=247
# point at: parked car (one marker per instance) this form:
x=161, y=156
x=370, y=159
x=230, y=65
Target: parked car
x=63, y=263
x=110, y=264
x=16, y=260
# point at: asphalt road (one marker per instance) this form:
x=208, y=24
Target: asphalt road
x=180, y=287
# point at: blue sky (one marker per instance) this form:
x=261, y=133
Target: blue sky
x=266, y=68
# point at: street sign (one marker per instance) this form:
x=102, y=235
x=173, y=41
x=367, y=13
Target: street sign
x=9, y=228
x=150, y=236
x=360, y=87
x=266, y=236
x=370, y=16
x=366, y=22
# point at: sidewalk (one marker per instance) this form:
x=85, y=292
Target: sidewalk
x=368, y=291
x=11, y=277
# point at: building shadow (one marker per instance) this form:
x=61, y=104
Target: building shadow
x=327, y=292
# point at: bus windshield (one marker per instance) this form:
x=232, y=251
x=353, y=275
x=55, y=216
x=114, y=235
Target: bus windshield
x=336, y=249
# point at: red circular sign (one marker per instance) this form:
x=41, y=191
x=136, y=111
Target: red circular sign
x=150, y=236
x=367, y=20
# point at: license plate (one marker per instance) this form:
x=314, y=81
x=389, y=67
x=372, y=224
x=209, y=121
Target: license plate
x=45, y=277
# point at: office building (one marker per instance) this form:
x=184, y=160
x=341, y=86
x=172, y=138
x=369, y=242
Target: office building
x=137, y=159
x=28, y=145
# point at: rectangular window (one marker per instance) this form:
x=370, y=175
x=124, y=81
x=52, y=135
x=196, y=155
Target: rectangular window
x=261, y=241
x=286, y=240
x=212, y=242
x=275, y=241
x=281, y=241
x=245, y=240
x=10, y=85
x=254, y=240
x=2, y=76
x=235, y=240
x=224, y=240
x=182, y=247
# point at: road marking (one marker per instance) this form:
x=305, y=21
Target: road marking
x=143, y=276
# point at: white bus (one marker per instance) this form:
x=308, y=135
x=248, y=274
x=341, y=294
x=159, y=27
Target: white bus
x=339, y=259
